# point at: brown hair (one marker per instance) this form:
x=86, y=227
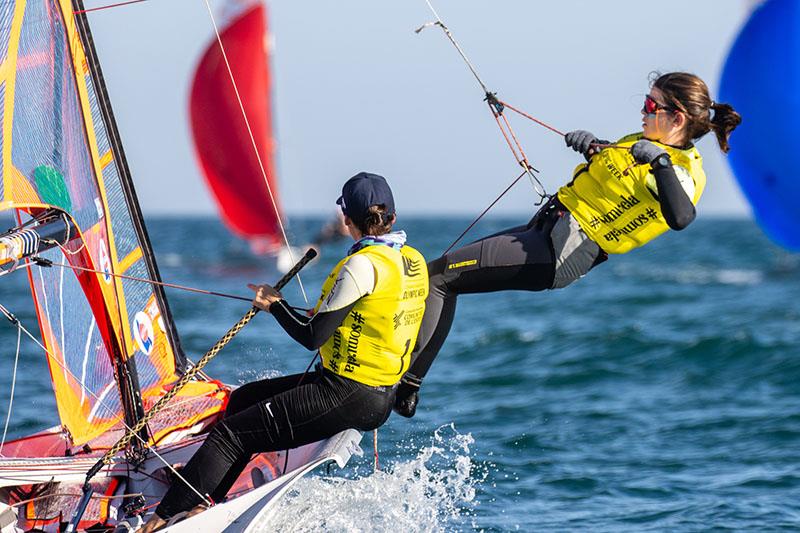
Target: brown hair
x=376, y=222
x=687, y=93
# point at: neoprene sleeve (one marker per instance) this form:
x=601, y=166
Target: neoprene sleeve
x=676, y=206
x=309, y=332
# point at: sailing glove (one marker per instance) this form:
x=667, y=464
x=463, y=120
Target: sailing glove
x=580, y=140
x=645, y=152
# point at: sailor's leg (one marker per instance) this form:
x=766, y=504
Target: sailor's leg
x=301, y=415
x=521, y=260
x=257, y=391
x=246, y=396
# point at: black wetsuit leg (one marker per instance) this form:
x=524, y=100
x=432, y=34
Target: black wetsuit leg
x=520, y=258
x=316, y=409
x=246, y=396
x=551, y=251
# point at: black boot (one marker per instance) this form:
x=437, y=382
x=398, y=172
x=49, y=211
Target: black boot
x=407, y=396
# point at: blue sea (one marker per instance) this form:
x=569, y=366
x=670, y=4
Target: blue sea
x=660, y=393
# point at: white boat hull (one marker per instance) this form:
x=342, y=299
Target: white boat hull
x=248, y=511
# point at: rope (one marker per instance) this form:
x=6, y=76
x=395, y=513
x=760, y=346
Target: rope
x=534, y=119
x=375, y=448
x=553, y=129
x=46, y=263
x=484, y=212
x=133, y=432
x=496, y=108
x=11, y=397
x=81, y=11
x=100, y=402
x=253, y=141
x=439, y=22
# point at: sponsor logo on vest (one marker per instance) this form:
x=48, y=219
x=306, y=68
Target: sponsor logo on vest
x=633, y=225
x=411, y=267
x=462, y=264
x=414, y=293
x=616, y=212
x=352, y=342
x=611, y=167
x=337, y=351
x=397, y=318
x=412, y=318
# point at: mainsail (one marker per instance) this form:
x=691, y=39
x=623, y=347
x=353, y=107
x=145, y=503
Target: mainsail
x=222, y=140
x=112, y=347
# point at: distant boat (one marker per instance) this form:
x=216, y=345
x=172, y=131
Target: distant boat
x=222, y=141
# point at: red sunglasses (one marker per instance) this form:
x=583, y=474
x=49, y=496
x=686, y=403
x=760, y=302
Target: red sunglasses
x=651, y=107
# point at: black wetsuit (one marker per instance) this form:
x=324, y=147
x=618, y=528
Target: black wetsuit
x=279, y=414
x=551, y=251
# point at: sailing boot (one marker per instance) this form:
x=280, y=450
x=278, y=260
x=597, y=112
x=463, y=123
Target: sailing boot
x=407, y=396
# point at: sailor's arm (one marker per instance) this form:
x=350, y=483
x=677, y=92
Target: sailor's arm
x=356, y=279
x=676, y=206
x=309, y=332
x=676, y=203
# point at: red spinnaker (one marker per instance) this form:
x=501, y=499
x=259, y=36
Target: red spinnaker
x=222, y=142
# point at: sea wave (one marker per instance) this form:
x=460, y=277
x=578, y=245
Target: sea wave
x=434, y=491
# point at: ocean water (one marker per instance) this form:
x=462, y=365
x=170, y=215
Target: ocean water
x=660, y=393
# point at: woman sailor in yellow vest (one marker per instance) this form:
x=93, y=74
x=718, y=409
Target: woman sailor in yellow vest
x=364, y=325
x=624, y=196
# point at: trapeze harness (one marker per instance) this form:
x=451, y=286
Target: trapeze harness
x=611, y=206
x=365, y=324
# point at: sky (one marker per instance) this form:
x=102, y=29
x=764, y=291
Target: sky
x=356, y=89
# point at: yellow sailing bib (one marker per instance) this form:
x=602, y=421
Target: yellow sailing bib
x=373, y=344
x=613, y=199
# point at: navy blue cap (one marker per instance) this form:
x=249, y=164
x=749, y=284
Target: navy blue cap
x=361, y=192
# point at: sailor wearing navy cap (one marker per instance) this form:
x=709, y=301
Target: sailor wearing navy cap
x=364, y=325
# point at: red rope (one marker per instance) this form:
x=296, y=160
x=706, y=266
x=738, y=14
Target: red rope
x=536, y=120
x=505, y=136
x=551, y=128
x=524, y=161
x=81, y=11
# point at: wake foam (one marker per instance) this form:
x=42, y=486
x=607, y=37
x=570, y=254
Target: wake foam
x=435, y=491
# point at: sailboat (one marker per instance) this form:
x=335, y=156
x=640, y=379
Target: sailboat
x=109, y=342
x=232, y=126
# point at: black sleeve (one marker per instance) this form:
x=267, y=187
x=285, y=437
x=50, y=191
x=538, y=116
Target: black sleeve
x=310, y=332
x=676, y=206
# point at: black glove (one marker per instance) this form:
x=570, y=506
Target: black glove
x=580, y=141
x=645, y=152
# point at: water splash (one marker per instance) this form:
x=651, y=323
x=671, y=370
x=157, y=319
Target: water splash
x=435, y=491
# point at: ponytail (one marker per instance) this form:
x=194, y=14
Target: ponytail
x=723, y=121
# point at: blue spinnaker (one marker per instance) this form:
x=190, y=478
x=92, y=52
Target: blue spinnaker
x=761, y=79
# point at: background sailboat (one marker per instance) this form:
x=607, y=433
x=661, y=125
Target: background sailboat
x=239, y=169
